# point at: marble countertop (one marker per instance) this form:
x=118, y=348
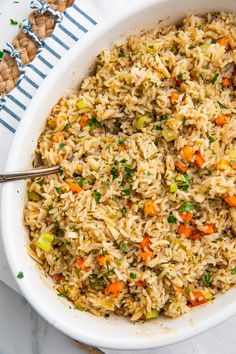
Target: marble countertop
x=23, y=331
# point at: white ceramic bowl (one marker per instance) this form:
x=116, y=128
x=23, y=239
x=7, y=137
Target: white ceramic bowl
x=113, y=332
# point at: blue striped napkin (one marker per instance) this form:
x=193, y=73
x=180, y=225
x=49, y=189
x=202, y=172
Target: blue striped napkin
x=76, y=22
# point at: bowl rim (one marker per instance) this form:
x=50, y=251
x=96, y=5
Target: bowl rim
x=27, y=290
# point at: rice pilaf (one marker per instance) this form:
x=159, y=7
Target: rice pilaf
x=141, y=220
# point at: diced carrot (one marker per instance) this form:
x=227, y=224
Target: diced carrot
x=231, y=200
x=185, y=230
x=234, y=165
x=58, y=137
x=80, y=262
x=207, y=229
x=58, y=159
x=188, y=153
x=196, y=237
x=226, y=81
x=223, y=41
x=114, y=289
x=57, y=278
x=140, y=283
x=222, y=164
x=199, y=160
x=186, y=216
x=199, y=299
x=83, y=120
x=146, y=255
x=221, y=120
x=102, y=260
x=145, y=243
x=121, y=148
x=181, y=166
x=174, y=96
x=74, y=187
x=100, y=131
x=149, y=208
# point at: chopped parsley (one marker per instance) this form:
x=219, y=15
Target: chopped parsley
x=59, y=190
x=103, y=253
x=121, y=54
x=233, y=271
x=83, y=181
x=125, y=192
x=180, y=78
x=1, y=54
x=61, y=146
x=128, y=172
x=133, y=276
x=114, y=173
x=132, y=294
x=40, y=181
x=121, y=142
x=20, y=275
x=187, y=207
x=50, y=207
x=171, y=219
x=213, y=81
x=183, y=185
x=159, y=127
x=188, y=177
x=211, y=140
x=97, y=196
x=207, y=278
x=221, y=105
x=163, y=117
x=123, y=212
x=202, y=77
x=123, y=161
x=94, y=123
x=123, y=248
x=13, y=22
x=213, y=41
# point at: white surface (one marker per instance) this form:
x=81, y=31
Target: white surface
x=13, y=313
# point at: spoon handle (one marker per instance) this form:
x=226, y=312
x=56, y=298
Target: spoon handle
x=36, y=172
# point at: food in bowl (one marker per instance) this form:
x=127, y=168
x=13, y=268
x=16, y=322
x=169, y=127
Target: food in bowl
x=141, y=220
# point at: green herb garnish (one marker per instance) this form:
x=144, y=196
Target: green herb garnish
x=121, y=54
x=187, y=207
x=213, y=41
x=121, y=142
x=123, y=212
x=50, y=207
x=133, y=276
x=114, y=173
x=123, y=161
x=1, y=54
x=171, y=219
x=20, y=275
x=97, y=196
x=13, y=22
x=211, y=140
x=61, y=146
x=163, y=117
x=93, y=122
x=83, y=181
x=103, y=253
x=202, y=77
x=59, y=190
x=213, y=81
x=233, y=271
x=123, y=248
x=221, y=105
x=180, y=78
x=207, y=278
x=159, y=127
x=125, y=192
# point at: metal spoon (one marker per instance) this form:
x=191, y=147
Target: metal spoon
x=36, y=172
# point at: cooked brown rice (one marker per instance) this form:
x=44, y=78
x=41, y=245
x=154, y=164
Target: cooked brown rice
x=141, y=220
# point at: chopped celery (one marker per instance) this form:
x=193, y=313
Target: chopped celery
x=81, y=104
x=34, y=197
x=45, y=241
x=168, y=134
x=141, y=121
x=173, y=187
x=151, y=314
